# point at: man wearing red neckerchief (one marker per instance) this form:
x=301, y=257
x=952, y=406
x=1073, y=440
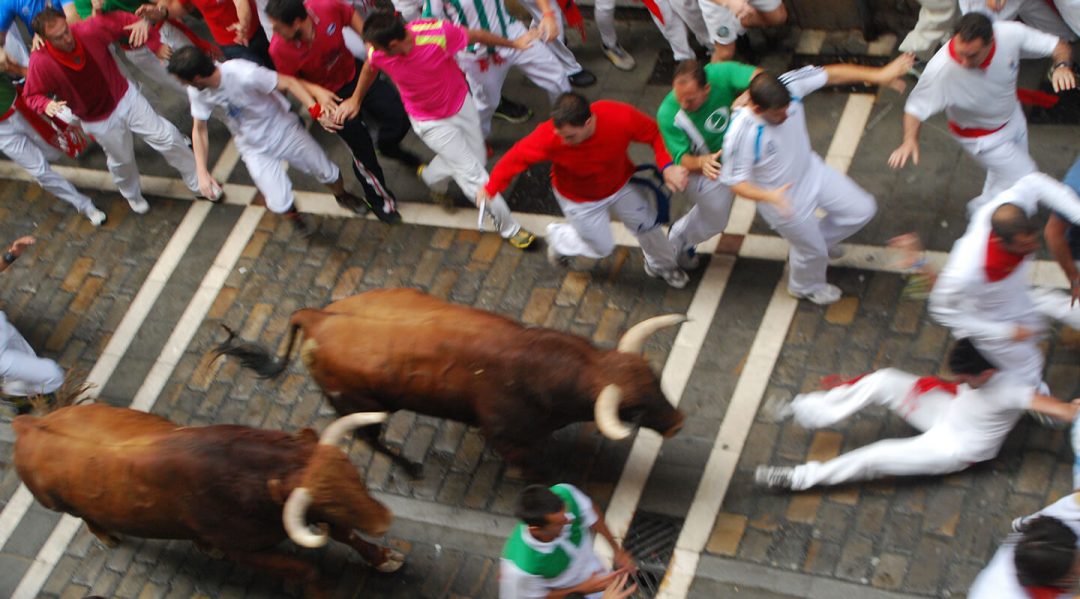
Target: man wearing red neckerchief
x=76, y=74
x=973, y=80
x=962, y=421
x=984, y=291
x=1040, y=561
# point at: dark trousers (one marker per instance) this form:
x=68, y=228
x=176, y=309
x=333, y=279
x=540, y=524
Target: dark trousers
x=382, y=107
x=257, y=50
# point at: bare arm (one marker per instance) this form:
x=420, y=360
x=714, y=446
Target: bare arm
x=479, y=36
x=351, y=107
x=1051, y=406
x=16, y=249
x=909, y=147
x=200, y=146
x=777, y=197
x=1057, y=241
x=1061, y=74
x=296, y=89
x=841, y=74
x=243, y=22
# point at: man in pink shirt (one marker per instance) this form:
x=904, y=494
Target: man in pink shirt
x=419, y=59
x=76, y=69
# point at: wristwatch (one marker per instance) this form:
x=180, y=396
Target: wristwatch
x=9, y=257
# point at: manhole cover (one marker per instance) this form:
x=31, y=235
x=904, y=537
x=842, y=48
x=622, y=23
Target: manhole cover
x=651, y=540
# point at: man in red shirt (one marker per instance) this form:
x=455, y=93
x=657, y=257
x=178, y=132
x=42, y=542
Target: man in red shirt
x=234, y=25
x=591, y=174
x=308, y=44
x=76, y=74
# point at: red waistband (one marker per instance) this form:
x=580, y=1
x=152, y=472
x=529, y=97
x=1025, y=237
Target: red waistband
x=974, y=132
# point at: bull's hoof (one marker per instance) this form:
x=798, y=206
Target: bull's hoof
x=393, y=562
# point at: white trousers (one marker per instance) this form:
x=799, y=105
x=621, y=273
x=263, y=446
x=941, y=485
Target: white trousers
x=558, y=45
x=1004, y=155
x=486, y=78
x=268, y=171
x=923, y=454
x=587, y=231
x=154, y=71
x=22, y=372
x=935, y=26
x=1039, y=14
x=133, y=114
x=1024, y=359
x=681, y=18
x=460, y=154
x=25, y=147
x=723, y=27
x=848, y=207
x=709, y=215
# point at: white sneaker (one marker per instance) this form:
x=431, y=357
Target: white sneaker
x=97, y=217
x=139, y=205
x=620, y=58
x=777, y=408
x=556, y=259
x=829, y=294
x=773, y=477
x=675, y=277
x=687, y=259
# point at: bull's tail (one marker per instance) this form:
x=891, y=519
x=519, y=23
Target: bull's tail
x=254, y=356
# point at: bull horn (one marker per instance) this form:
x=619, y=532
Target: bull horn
x=634, y=339
x=295, y=521
x=606, y=412
x=342, y=426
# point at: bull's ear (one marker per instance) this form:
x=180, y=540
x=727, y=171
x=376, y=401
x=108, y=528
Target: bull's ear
x=277, y=490
x=307, y=435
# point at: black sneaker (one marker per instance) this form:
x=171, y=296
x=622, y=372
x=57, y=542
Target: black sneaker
x=352, y=203
x=387, y=214
x=512, y=112
x=300, y=225
x=405, y=157
x=582, y=78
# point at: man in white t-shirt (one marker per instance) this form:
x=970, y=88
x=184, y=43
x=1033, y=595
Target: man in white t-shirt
x=767, y=158
x=984, y=291
x=962, y=422
x=550, y=553
x=264, y=130
x=1040, y=561
x=973, y=79
x=1040, y=14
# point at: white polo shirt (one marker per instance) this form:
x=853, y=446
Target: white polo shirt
x=770, y=156
x=256, y=114
x=979, y=98
x=998, y=580
x=977, y=421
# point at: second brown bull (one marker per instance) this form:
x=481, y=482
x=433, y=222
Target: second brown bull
x=401, y=349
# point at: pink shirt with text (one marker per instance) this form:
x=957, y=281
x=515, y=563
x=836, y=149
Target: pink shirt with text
x=431, y=84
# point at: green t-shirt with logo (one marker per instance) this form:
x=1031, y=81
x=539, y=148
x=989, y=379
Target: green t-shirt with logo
x=726, y=81
x=85, y=8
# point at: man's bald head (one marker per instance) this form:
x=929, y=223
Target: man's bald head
x=1018, y=231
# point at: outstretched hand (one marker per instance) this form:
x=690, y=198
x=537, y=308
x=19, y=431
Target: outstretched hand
x=21, y=244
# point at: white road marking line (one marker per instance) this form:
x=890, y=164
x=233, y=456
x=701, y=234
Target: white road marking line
x=730, y=441
x=750, y=388
x=680, y=363
x=147, y=395
x=140, y=306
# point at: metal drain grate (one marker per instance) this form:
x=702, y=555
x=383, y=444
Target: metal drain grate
x=651, y=540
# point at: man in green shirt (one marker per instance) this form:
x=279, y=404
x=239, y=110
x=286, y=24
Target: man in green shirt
x=693, y=118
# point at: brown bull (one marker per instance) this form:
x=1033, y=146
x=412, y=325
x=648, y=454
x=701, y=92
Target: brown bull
x=233, y=490
x=401, y=349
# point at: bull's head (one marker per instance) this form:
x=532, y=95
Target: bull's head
x=638, y=393
x=331, y=492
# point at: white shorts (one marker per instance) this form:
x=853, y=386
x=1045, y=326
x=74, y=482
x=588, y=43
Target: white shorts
x=723, y=27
